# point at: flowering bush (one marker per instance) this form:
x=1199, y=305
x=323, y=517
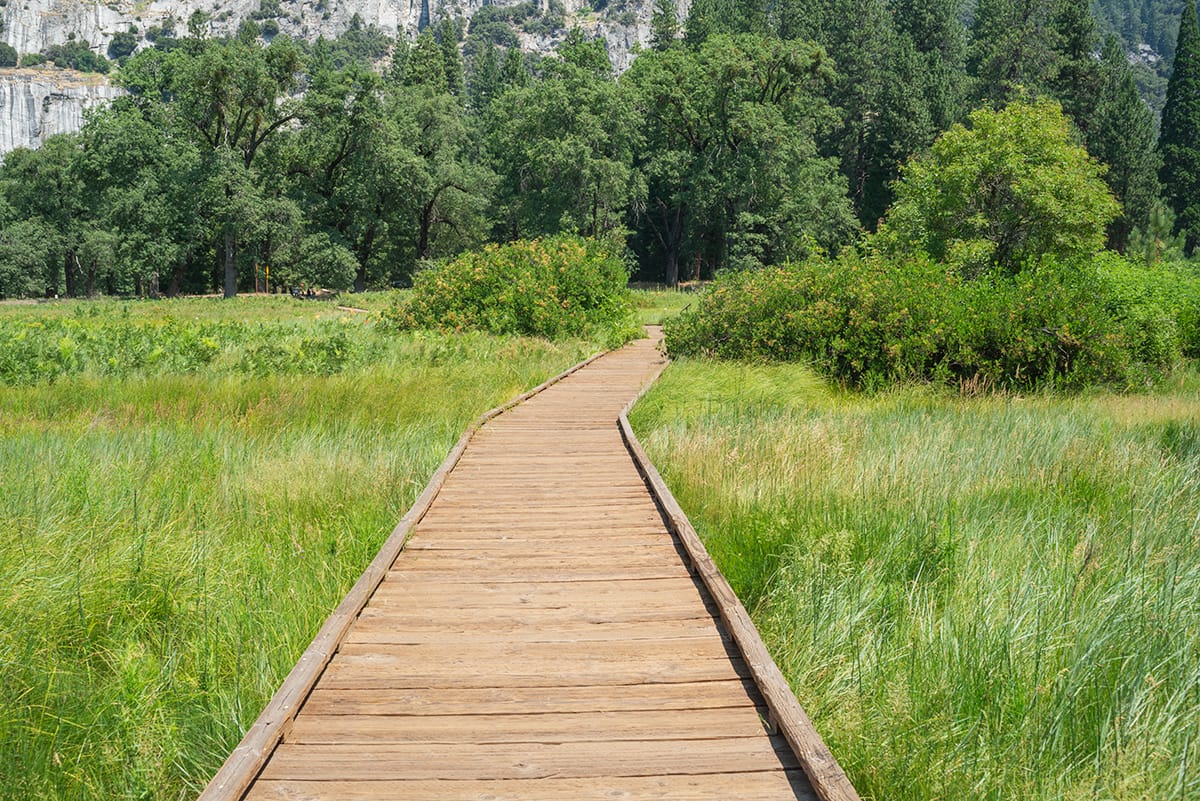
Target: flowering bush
x=562, y=286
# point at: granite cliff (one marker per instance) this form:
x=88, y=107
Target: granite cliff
x=37, y=103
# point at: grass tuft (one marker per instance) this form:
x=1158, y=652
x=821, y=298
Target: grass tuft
x=990, y=598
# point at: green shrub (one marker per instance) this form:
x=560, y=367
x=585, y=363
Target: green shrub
x=850, y=318
x=866, y=321
x=558, y=287
x=1044, y=326
x=1159, y=304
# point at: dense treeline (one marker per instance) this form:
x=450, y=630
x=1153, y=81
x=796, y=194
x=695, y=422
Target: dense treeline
x=751, y=133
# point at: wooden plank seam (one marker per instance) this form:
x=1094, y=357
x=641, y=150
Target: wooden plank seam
x=247, y=760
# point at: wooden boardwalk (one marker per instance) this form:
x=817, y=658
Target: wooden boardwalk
x=543, y=635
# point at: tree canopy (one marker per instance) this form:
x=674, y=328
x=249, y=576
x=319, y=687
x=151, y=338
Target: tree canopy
x=1007, y=190
x=753, y=134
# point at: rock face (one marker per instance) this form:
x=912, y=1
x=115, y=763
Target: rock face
x=31, y=25
x=37, y=103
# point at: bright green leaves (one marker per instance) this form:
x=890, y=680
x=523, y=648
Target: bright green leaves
x=559, y=287
x=1011, y=188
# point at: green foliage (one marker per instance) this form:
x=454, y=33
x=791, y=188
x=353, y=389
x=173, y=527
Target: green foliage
x=1123, y=136
x=363, y=46
x=557, y=287
x=1157, y=241
x=426, y=65
x=321, y=260
x=1010, y=189
x=484, y=84
x=664, y=25
x=8, y=55
x=122, y=45
x=564, y=147
x=270, y=9
x=868, y=322
x=1179, y=140
x=494, y=24
x=1152, y=22
x=1158, y=305
x=23, y=249
x=984, y=598
x=76, y=54
x=107, y=345
x=182, y=535
x=449, y=33
x=734, y=175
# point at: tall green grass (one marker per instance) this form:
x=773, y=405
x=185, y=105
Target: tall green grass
x=656, y=306
x=172, y=540
x=991, y=599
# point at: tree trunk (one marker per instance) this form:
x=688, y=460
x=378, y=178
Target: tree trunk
x=91, y=279
x=230, y=264
x=671, y=239
x=426, y=224
x=673, y=267
x=364, y=255
x=175, y=283
x=69, y=272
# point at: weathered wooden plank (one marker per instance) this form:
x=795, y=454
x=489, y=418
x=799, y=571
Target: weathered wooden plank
x=553, y=727
x=679, y=697
x=591, y=546
x=514, y=553
x=761, y=786
x=547, y=528
x=494, y=570
x=372, y=671
x=377, y=616
x=446, y=632
x=471, y=595
x=454, y=762
x=488, y=654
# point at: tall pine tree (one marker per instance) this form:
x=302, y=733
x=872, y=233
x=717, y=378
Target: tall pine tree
x=1121, y=135
x=485, y=82
x=1013, y=49
x=1179, y=141
x=449, y=33
x=1078, y=76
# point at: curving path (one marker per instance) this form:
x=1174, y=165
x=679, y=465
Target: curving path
x=542, y=635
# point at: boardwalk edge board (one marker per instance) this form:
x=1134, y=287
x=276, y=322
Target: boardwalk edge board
x=824, y=773
x=247, y=760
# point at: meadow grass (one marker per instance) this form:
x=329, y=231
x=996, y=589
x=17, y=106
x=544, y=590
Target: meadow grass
x=974, y=598
x=654, y=306
x=242, y=309
x=175, y=536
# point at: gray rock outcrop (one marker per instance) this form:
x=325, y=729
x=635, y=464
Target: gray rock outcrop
x=37, y=103
x=31, y=25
